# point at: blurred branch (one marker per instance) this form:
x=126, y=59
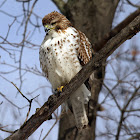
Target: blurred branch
x=123, y=112
x=51, y=128
x=9, y=101
x=9, y=28
x=114, y=98
x=134, y=5
x=23, y=41
x=136, y=137
x=27, y=69
x=55, y=101
x=8, y=131
x=23, y=0
x=2, y=3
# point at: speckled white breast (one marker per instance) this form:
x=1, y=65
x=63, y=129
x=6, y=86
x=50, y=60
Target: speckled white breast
x=58, y=56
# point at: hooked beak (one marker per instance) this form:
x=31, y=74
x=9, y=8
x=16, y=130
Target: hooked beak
x=47, y=28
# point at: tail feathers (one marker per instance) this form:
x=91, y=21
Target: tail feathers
x=78, y=100
x=82, y=94
x=79, y=113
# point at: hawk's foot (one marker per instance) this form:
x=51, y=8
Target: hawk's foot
x=60, y=89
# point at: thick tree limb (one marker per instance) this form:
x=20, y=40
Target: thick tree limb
x=100, y=44
x=54, y=102
x=60, y=4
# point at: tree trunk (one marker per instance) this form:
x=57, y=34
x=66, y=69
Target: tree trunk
x=94, y=18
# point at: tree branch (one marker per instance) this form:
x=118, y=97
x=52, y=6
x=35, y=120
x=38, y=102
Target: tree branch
x=100, y=44
x=60, y=4
x=55, y=101
x=123, y=111
x=134, y=5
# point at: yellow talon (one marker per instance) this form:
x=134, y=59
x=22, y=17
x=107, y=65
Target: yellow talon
x=60, y=89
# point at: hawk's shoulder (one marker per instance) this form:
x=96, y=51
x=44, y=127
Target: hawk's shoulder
x=84, y=50
x=83, y=46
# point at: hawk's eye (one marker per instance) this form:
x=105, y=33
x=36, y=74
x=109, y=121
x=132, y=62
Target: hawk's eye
x=53, y=23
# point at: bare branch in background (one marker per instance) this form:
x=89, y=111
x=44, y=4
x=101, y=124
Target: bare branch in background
x=30, y=101
x=23, y=0
x=8, y=131
x=9, y=101
x=122, y=118
x=2, y=3
x=22, y=42
x=134, y=5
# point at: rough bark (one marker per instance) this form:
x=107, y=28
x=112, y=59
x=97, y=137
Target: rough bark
x=54, y=101
x=94, y=18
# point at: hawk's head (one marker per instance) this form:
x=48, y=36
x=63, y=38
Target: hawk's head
x=55, y=21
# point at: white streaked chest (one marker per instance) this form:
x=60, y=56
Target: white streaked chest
x=59, y=58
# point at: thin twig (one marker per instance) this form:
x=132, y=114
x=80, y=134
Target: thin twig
x=30, y=101
x=23, y=41
x=9, y=101
x=134, y=5
x=123, y=112
x=8, y=131
x=50, y=129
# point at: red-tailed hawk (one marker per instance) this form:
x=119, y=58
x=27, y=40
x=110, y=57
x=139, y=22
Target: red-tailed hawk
x=62, y=54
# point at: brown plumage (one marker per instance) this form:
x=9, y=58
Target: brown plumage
x=56, y=18
x=62, y=54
